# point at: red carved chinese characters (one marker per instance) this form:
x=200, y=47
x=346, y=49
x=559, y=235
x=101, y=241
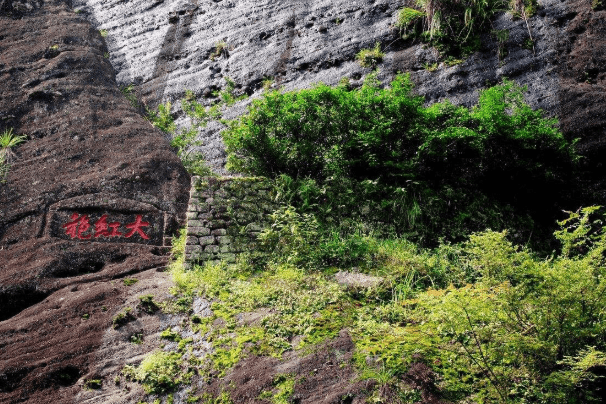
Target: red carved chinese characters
x=79, y=225
x=102, y=228
x=136, y=227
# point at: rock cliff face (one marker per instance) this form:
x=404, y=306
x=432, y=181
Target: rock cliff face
x=166, y=47
x=91, y=160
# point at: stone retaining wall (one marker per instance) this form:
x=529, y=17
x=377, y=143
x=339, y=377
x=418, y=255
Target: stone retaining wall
x=225, y=215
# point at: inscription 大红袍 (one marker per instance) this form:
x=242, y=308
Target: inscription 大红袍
x=108, y=226
x=80, y=224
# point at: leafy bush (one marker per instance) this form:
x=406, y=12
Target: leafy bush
x=370, y=57
x=380, y=154
x=158, y=373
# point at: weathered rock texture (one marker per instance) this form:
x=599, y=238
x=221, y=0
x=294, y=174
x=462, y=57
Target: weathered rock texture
x=225, y=216
x=89, y=153
x=88, y=156
x=165, y=47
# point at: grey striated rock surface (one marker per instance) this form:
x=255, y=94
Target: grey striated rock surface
x=166, y=47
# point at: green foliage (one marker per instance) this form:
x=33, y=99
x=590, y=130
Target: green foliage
x=380, y=154
x=454, y=26
x=185, y=140
x=129, y=281
x=147, y=304
x=284, y=387
x=93, y=384
x=128, y=91
x=407, y=16
x=370, y=57
x=170, y=335
x=163, y=119
x=159, y=372
x=502, y=36
x=8, y=140
x=123, y=317
x=580, y=231
x=136, y=338
x=220, y=50
x=267, y=83
x=492, y=321
x=103, y=33
x=290, y=236
x=409, y=21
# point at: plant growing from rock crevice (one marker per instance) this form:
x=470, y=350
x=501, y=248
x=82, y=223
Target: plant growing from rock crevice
x=185, y=140
x=454, y=26
x=370, y=57
x=8, y=140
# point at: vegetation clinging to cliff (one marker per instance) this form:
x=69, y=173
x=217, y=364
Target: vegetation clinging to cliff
x=380, y=154
x=454, y=26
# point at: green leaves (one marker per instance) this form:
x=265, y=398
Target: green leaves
x=414, y=163
x=8, y=140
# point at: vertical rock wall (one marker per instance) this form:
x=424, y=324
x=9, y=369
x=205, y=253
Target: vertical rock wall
x=89, y=199
x=166, y=47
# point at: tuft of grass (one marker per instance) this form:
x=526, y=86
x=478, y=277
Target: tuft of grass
x=221, y=50
x=128, y=91
x=147, y=304
x=123, y=317
x=284, y=388
x=370, y=57
x=93, y=384
x=408, y=16
x=454, y=26
x=502, y=37
x=129, y=281
x=267, y=83
x=103, y=33
x=431, y=67
x=136, y=338
x=159, y=373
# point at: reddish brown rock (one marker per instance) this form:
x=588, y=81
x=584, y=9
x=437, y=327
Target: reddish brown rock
x=582, y=95
x=90, y=159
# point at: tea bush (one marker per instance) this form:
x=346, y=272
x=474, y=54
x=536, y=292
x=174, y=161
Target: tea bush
x=380, y=154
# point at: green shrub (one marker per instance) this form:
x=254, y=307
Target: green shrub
x=159, y=372
x=370, y=57
x=525, y=319
x=379, y=154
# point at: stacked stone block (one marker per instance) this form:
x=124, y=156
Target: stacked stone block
x=225, y=215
